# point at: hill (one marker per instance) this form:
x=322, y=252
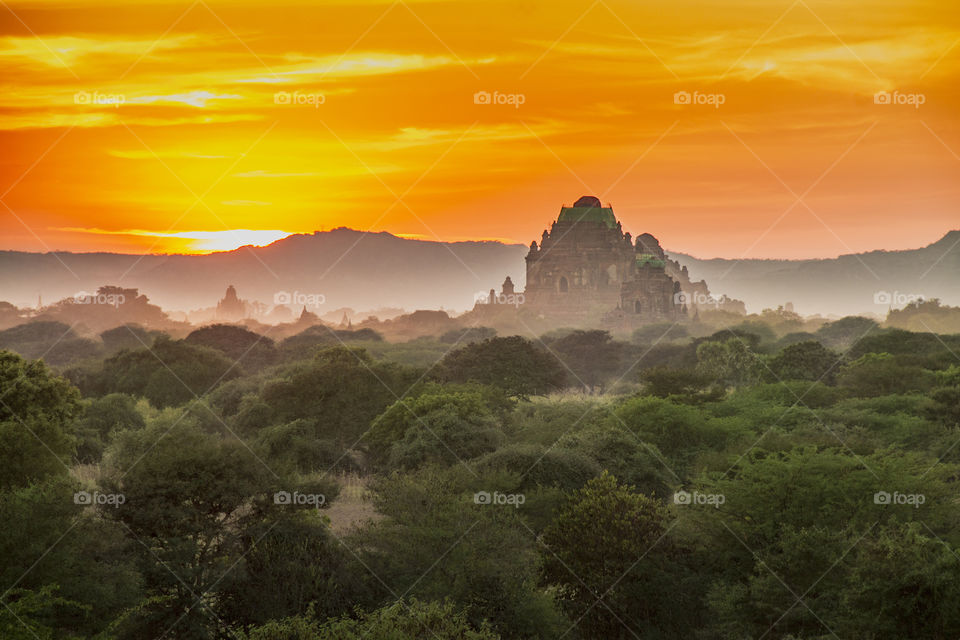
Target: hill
x=363, y=270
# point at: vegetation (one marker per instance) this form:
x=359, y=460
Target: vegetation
x=772, y=478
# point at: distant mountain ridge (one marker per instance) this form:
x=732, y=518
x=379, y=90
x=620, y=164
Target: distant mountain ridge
x=366, y=270
x=351, y=268
x=848, y=284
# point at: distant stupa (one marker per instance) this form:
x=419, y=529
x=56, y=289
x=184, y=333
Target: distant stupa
x=231, y=307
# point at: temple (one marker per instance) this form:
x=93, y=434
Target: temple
x=587, y=268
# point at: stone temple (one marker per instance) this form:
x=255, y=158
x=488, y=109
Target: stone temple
x=587, y=268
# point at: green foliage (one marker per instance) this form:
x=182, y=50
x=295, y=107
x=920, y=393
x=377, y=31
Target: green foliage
x=54, y=342
x=102, y=417
x=23, y=615
x=544, y=421
x=251, y=350
x=729, y=364
x=436, y=544
x=843, y=333
x=73, y=572
x=295, y=447
x=608, y=555
x=662, y=381
x=539, y=467
x=926, y=316
x=340, y=391
x=678, y=430
x=660, y=332
x=204, y=544
x=291, y=562
x=633, y=461
x=593, y=357
x=877, y=374
x=904, y=583
x=319, y=337
x=193, y=501
x=468, y=335
x=398, y=621
x=433, y=427
x=37, y=409
x=811, y=519
x=804, y=361
x=514, y=364
x=169, y=374
x=130, y=337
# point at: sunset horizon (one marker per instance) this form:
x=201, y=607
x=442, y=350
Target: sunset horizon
x=201, y=243
x=795, y=130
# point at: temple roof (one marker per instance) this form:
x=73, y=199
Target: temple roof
x=588, y=209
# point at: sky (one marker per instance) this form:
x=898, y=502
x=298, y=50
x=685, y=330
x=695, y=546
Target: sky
x=737, y=129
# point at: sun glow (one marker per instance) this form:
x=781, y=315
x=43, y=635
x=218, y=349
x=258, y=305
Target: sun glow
x=469, y=119
x=196, y=241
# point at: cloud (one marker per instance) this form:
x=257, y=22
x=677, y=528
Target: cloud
x=44, y=120
x=141, y=154
x=193, y=98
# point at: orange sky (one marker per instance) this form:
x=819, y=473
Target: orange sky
x=158, y=127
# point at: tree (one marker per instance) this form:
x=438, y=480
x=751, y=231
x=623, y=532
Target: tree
x=340, y=391
x=614, y=449
x=514, y=364
x=192, y=501
x=436, y=542
x=71, y=572
x=678, y=430
x=903, y=583
x=291, y=562
x=101, y=417
x=608, y=555
x=168, y=374
x=729, y=364
x=55, y=342
x=664, y=381
x=593, y=357
x=130, y=337
x=441, y=427
x=538, y=466
x=842, y=333
x=467, y=335
x=321, y=336
x=808, y=360
x=397, y=621
x=812, y=519
x=878, y=374
x=252, y=350
x=37, y=409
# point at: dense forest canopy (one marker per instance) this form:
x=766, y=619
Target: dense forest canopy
x=777, y=478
